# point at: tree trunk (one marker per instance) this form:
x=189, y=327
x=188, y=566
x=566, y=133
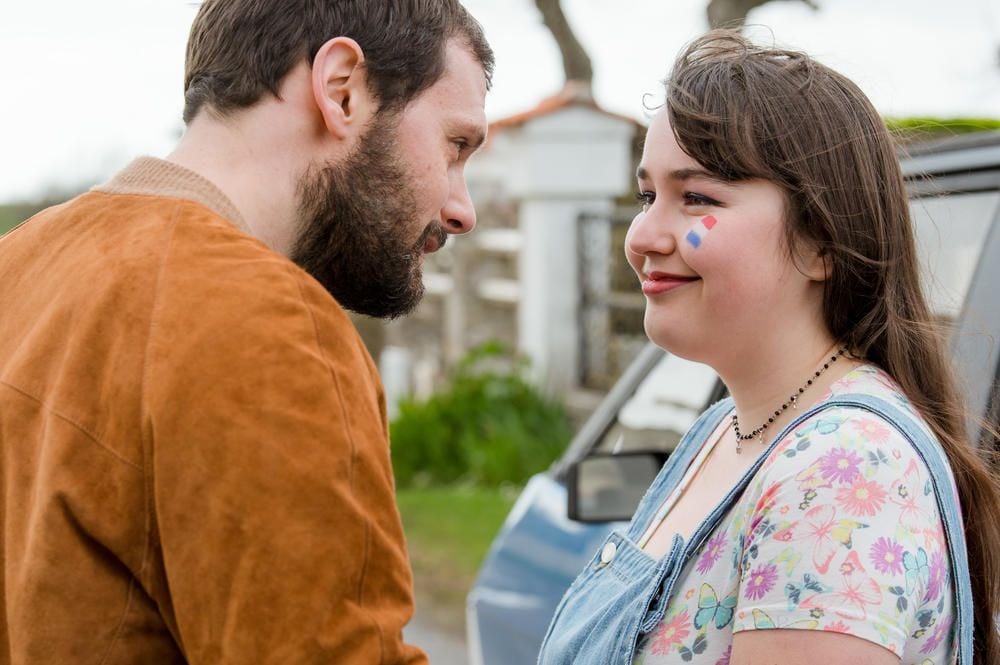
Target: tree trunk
x=576, y=62
x=733, y=13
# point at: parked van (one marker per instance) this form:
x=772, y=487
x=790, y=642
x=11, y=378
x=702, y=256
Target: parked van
x=563, y=514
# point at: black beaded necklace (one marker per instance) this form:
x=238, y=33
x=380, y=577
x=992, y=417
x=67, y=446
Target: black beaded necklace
x=790, y=402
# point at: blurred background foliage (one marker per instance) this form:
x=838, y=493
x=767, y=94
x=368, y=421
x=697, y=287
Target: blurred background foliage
x=911, y=130
x=460, y=457
x=488, y=426
x=12, y=214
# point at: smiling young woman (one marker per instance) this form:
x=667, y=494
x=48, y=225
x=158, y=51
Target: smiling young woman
x=833, y=509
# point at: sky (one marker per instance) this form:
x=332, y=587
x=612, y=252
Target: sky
x=89, y=84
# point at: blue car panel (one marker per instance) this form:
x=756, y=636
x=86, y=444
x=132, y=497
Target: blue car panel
x=533, y=560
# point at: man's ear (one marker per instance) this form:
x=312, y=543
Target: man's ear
x=340, y=87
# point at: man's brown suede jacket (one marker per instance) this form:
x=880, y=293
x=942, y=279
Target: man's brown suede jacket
x=194, y=464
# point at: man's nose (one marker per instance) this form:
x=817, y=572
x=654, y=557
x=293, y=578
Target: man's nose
x=459, y=213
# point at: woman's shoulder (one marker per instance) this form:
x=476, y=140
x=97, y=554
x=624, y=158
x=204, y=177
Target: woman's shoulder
x=854, y=457
x=864, y=415
x=852, y=461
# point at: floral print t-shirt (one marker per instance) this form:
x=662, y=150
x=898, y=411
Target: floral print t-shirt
x=838, y=531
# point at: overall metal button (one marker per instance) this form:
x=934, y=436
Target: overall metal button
x=608, y=553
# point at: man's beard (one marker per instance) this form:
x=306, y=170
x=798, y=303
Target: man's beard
x=356, y=217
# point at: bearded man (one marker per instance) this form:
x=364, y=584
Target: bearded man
x=193, y=437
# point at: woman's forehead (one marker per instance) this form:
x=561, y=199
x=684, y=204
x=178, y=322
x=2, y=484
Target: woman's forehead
x=661, y=153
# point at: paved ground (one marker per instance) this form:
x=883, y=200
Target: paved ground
x=441, y=648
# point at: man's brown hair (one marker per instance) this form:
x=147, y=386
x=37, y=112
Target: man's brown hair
x=240, y=50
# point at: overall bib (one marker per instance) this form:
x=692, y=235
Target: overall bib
x=622, y=594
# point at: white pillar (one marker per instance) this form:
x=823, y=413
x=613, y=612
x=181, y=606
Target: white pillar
x=563, y=164
x=549, y=323
x=395, y=366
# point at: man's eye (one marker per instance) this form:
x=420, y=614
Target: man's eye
x=695, y=199
x=646, y=199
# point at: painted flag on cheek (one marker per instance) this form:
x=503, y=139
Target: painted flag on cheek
x=698, y=232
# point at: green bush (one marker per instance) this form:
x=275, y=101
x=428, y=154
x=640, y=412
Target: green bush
x=489, y=426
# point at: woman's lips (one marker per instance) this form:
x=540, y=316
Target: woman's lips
x=657, y=283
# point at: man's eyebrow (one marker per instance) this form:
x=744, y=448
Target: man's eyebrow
x=474, y=134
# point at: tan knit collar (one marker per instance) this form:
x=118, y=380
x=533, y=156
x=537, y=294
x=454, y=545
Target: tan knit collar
x=157, y=177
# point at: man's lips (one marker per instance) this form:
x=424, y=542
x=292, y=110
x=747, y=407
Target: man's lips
x=661, y=282
x=434, y=239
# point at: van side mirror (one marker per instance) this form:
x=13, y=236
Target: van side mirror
x=607, y=487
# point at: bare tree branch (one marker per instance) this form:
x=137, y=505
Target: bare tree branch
x=576, y=62
x=733, y=13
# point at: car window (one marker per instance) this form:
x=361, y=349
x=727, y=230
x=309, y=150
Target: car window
x=950, y=230
x=662, y=408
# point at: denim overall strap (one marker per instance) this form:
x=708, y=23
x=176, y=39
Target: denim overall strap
x=677, y=465
x=605, y=609
x=948, y=505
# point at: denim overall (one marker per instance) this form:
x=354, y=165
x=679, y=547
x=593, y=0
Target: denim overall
x=623, y=593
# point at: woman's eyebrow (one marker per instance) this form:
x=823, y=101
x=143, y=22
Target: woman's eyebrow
x=681, y=175
x=687, y=174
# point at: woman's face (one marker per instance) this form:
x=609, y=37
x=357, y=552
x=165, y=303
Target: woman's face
x=712, y=259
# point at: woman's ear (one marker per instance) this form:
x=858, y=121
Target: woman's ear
x=814, y=262
x=340, y=87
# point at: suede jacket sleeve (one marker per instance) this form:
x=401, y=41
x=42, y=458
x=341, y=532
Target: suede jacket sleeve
x=269, y=473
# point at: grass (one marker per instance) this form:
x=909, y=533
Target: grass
x=449, y=531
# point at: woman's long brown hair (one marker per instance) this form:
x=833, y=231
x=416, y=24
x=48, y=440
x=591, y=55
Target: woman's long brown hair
x=744, y=111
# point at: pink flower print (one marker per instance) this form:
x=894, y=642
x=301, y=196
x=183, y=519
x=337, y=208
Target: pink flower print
x=812, y=478
x=936, y=578
x=670, y=634
x=904, y=492
x=765, y=504
x=711, y=553
x=942, y=629
x=862, y=498
x=934, y=538
x=824, y=531
x=887, y=556
x=853, y=598
x=883, y=379
x=840, y=466
x=724, y=660
x=762, y=580
x=837, y=627
x=872, y=429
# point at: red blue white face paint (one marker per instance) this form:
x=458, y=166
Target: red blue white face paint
x=698, y=232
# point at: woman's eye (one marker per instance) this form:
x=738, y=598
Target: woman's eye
x=646, y=199
x=695, y=199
